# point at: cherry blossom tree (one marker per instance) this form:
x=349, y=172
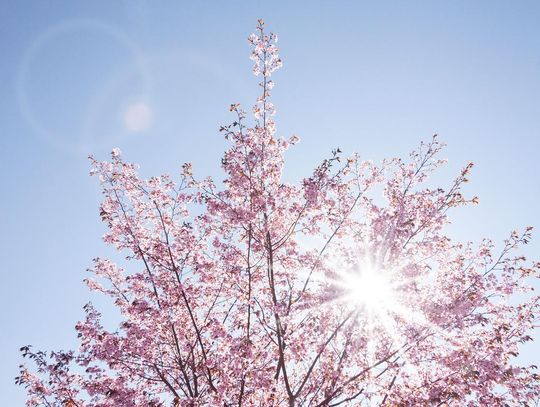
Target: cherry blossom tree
x=342, y=290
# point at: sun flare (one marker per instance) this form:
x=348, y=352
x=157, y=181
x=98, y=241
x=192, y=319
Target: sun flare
x=370, y=288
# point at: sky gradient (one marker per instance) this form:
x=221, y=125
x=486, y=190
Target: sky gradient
x=156, y=78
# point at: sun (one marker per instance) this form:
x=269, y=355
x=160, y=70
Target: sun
x=370, y=288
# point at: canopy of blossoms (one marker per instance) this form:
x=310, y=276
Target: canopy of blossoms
x=256, y=292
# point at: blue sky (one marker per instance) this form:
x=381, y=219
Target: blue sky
x=370, y=77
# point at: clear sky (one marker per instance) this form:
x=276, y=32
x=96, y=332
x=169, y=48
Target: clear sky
x=156, y=80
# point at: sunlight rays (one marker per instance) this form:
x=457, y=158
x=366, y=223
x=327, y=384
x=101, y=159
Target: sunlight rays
x=368, y=287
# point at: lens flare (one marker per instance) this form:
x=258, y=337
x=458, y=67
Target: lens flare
x=370, y=288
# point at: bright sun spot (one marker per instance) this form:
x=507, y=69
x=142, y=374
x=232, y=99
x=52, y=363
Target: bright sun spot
x=370, y=288
x=138, y=117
